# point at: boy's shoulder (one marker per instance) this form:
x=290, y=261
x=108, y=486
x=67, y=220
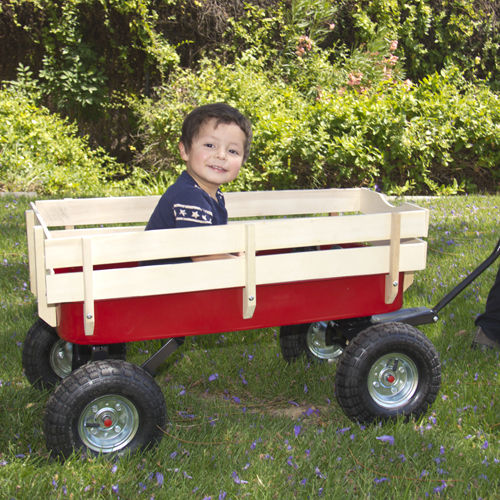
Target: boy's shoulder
x=185, y=189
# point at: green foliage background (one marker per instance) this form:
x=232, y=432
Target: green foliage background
x=401, y=96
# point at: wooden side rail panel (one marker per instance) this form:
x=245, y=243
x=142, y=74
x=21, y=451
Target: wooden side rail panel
x=269, y=235
x=137, y=209
x=231, y=273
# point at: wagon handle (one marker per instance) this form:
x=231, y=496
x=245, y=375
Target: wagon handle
x=423, y=315
x=469, y=279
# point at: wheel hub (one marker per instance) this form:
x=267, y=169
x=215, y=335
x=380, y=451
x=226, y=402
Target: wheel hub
x=61, y=358
x=317, y=342
x=393, y=380
x=108, y=423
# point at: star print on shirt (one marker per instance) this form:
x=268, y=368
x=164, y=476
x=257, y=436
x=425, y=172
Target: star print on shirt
x=192, y=213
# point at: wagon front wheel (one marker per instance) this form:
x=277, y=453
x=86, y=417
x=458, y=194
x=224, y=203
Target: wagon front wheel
x=388, y=370
x=105, y=407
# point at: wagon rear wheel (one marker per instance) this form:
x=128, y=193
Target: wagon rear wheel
x=105, y=407
x=319, y=341
x=388, y=370
x=46, y=358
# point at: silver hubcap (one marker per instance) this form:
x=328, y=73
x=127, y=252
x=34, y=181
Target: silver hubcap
x=109, y=423
x=393, y=380
x=61, y=358
x=316, y=342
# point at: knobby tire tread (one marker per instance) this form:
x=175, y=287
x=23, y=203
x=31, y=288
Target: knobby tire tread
x=350, y=383
x=94, y=380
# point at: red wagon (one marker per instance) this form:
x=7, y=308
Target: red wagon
x=327, y=266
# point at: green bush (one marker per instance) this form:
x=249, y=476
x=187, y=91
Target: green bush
x=440, y=136
x=41, y=152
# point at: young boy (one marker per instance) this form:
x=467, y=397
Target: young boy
x=215, y=142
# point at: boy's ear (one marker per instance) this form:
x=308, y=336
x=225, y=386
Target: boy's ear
x=182, y=150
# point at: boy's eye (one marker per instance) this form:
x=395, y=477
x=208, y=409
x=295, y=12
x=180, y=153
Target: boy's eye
x=209, y=145
x=234, y=152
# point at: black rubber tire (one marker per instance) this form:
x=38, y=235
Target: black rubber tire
x=293, y=344
x=363, y=354
x=40, y=340
x=102, y=379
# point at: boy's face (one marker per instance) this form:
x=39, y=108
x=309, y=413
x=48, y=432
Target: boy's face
x=215, y=156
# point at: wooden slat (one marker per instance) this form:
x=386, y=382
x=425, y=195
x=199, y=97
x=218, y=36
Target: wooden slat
x=45, y=311
x=88, y=286
x=89, y=211
x=392, y=279
x=30, y=236
x=269, y=234
x=229, y=273
x=250, y=291
x=292, y=202
x=91, y=231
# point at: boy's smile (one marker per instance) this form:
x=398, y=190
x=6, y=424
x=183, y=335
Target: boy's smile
x=215, y=155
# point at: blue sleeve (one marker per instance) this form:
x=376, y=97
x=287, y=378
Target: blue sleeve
x=188, y=214
x=192, y=208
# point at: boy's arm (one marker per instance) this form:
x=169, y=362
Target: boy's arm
x=218, y=256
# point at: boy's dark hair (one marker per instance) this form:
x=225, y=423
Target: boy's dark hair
x=222, y=113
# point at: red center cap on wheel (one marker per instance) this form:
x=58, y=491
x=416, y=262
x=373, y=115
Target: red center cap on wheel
x=390, y=379
x=107, y=422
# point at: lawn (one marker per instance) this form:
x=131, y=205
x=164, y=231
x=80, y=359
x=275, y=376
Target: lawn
x=243, y=423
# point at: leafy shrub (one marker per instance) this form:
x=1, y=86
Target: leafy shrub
x=440, y=136
x=41, y=152
x=432, y=33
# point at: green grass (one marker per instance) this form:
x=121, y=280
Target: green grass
x=265, y=429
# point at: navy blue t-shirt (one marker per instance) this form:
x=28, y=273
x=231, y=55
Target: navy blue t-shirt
x=185, y=204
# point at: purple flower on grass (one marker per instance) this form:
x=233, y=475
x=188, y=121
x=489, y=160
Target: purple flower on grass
x=114, y=488
x=296, y=430
x=291, y=463
x=237, y=480
x=439, y=489
x=386, y=439
x=305, y=388
x=485, y=445
x=303, y=482
x=159, y=478
x=380, y=480
x=319, y=474
x=213, y=377
x=222, y=495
